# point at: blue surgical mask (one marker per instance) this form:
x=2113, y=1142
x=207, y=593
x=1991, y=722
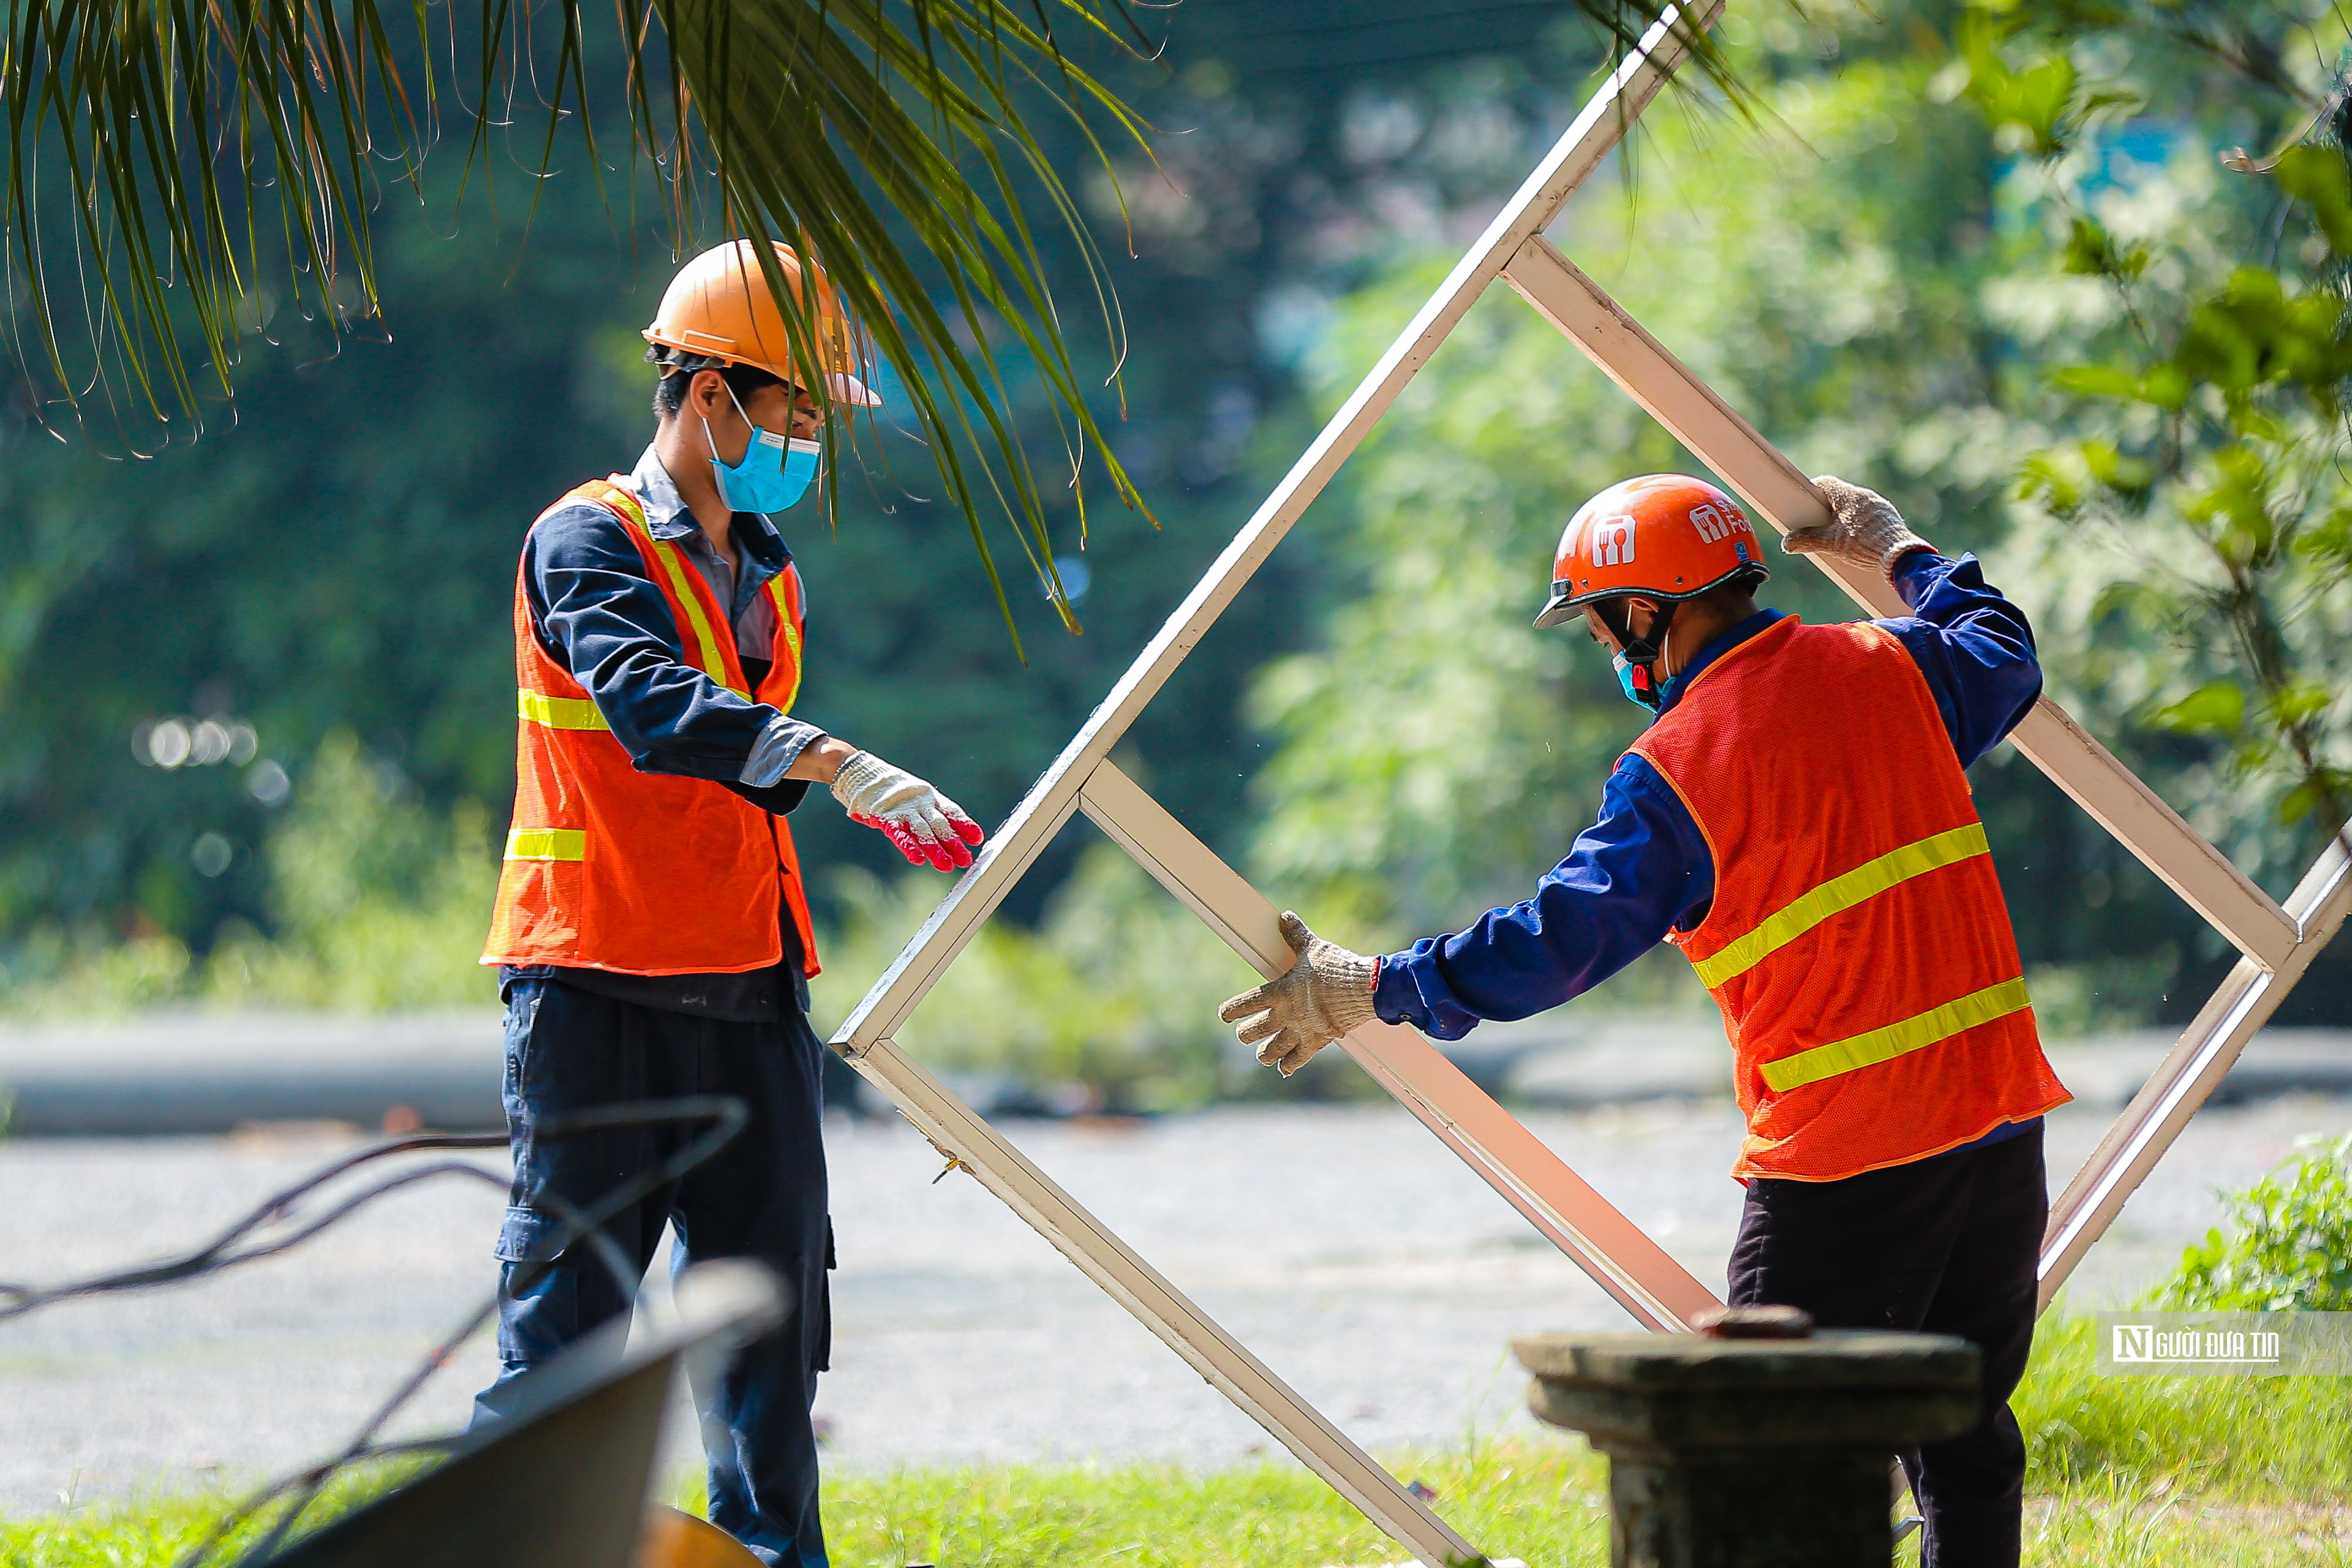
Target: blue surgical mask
x=1641, y=692
x=774, y=473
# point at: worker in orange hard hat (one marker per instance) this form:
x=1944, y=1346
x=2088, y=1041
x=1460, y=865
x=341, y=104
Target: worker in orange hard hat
x=651, y=928
x=1796, y=819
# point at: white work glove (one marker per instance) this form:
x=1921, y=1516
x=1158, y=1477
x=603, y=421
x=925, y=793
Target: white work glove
x=924, y=823
x=1321, y=996
x=1864, y=528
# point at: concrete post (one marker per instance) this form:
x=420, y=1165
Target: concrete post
x=1749, y=1452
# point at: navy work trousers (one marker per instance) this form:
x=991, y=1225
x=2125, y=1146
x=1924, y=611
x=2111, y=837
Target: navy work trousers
x=761, y=1196
x=1946, y=1246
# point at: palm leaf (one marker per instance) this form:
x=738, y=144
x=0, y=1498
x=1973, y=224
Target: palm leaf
x=191, y=146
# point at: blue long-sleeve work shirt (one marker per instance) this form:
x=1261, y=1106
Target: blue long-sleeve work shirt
x=597, y=614
x=1643, y=868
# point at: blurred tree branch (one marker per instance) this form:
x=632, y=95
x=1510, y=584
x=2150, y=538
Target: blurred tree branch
x=2219, y=424
x=191, y=148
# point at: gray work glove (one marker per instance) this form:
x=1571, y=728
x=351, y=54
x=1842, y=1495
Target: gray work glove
x=1864, y=528
x=1325, y=994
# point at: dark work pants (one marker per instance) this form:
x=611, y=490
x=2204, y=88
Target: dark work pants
x=761, y=1196
x=1946, y=1244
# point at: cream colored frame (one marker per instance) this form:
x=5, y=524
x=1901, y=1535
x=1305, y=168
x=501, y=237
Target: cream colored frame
x=2278, y=943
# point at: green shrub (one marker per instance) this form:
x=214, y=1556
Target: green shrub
x=379, y=904
x=2287, y=1245
x=2290, y=1242
x=1114, y=993
x=376, y=903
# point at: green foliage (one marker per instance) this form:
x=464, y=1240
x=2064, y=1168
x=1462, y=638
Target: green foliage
x=1112, y=998
x=342, y=556
x=1438, y=742
x=2315, y=176
x=2105, y=1491
x=2244, y=1437
x=2289, y=1243
x=2036, y=105
x=1437, y=751
x=2217, y=708
x=1869, y=277
x=2287, y=1248
x=2100, y=995
x=891, y=141
x=163, y=1530
x=2005, y=282
x=1536, y=1500
x=379, y=904
x=2204, y=431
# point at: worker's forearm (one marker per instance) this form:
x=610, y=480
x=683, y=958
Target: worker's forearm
x=1974, y=647
x=821, y=759
x=1640, y=869
x=604, y=620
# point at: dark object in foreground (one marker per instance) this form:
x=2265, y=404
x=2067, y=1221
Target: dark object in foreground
x=1752, y=1452
x=580, y=1448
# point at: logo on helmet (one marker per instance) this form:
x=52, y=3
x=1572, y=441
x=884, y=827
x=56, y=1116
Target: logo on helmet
x=1713, y=525
x=1613, y=541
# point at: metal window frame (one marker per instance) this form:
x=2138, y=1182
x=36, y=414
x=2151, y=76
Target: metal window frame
x=2278, y=942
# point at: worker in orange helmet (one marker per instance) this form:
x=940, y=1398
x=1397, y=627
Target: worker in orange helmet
x=651, y=928
x=1797, y=821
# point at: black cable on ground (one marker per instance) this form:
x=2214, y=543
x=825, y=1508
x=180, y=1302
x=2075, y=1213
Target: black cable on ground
x=726, y=1115
x=729, y=1116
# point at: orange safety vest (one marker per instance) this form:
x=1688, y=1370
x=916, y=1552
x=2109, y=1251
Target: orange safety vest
x=1858, y=944
x=639, y=873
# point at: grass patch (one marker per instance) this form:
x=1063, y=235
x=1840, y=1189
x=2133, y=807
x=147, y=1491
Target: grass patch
x=2243, y=1439
x=2180, y=1472
x=1537, y=1500
x=139, y=1533
x=159, y=1530
x=2115, y=1526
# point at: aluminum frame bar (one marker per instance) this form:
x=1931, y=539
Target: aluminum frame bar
x=965, y=1137
x=1050, y=801
x=1618, y=1255
x=2115, y=797
x=2190, y=1074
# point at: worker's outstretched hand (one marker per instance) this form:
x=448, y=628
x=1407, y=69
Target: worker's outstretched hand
x=1327, y=992
x=1864, y=528
x=925, y=824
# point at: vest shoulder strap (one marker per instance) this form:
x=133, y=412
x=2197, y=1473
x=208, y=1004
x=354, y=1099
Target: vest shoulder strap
x=707, y=648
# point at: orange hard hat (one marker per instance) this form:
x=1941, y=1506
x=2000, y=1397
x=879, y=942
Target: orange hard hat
x=719, y=310
x=1666, y=537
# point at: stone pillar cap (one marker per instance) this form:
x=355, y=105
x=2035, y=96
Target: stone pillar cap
x=1832, y=1358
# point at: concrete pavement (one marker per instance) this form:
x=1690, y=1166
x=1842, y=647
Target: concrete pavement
x=214, y=1072
x=1343, y=1243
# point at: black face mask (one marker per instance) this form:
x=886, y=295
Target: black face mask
x=1637, y=662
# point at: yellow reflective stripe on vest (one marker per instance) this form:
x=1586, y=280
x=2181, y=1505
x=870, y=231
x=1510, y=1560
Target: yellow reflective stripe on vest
x=1897, y=1039
x=560, y=712
x=546, y=844
x=792, y=635
x=1865, y=882
x=714, y=664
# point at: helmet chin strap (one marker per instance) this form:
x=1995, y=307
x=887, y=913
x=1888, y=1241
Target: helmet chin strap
x=1643, y=654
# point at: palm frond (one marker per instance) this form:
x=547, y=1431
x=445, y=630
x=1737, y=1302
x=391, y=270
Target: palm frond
x=192, y=147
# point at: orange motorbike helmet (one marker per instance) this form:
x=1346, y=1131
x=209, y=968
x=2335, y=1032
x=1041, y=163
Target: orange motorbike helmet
x=1666, y=538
